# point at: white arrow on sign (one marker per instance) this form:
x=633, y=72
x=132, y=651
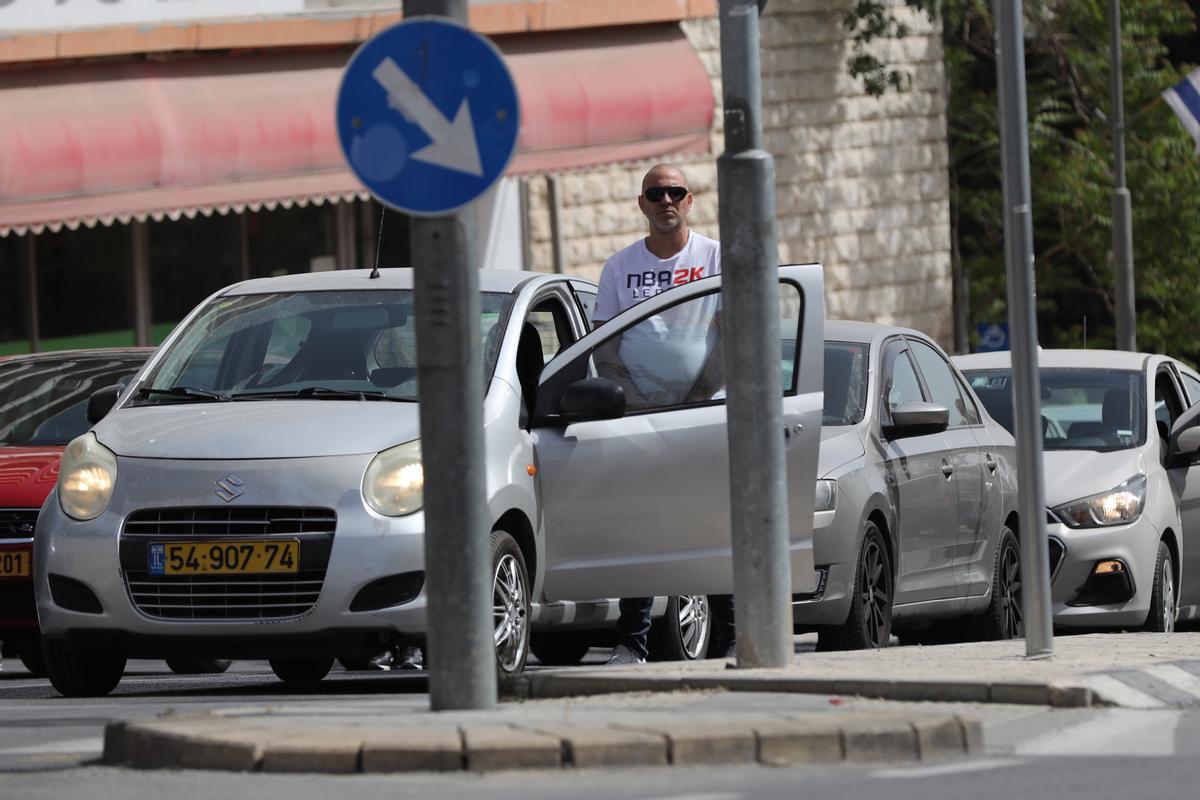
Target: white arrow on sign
x=453, y=146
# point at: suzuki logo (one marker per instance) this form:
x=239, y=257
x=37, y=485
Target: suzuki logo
x=229, y=488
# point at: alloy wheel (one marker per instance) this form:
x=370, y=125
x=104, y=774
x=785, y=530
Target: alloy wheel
x=1010, y=593
x=876, y=593
x=510, y=612
x=1168, y=596
x=694, y=620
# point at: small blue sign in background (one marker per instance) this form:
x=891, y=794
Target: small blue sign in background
x=427, y=115
x=992, y=337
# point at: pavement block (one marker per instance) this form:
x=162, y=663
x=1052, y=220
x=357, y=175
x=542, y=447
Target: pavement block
x=1062, y=696
x=593, y=746
x=704, y=741
x=415, y=750
x=880, y=740
x=567, y=685
x=1032, y=694
x=311, y=752
x=939, y=737
x=814, y=740
x=489, y=748
x=760, y=683
x=192, y=744
x=972, y=732
x=916, y=690
x=116, y=744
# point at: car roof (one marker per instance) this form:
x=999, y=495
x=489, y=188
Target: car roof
x=141, y=353
x=842, y=330
x=1077, y=358
x=490, y=280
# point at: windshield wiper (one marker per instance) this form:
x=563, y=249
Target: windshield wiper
x=317, y=393
x=182, y=393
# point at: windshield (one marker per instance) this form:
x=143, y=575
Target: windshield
x=311, y=345
x=1082, y=409
x=845, y=383
x=43, y=401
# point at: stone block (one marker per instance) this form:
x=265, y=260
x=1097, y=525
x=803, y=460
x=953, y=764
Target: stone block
x=880, y=740
x=416, y=750
x=311, y=752
x=490, y=748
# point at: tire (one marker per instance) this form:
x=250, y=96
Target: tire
x=82, y=673
x=1161, y=618
x=191, y=665
x=301, y=670
x=31, y=656
x=869, y=623
x=560, y=649
x=1005, y=617
x=683, y=632
x=510, y=604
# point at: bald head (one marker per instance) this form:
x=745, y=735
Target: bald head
x=666, y=200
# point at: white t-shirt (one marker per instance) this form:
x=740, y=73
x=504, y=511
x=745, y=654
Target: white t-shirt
x=633, y=274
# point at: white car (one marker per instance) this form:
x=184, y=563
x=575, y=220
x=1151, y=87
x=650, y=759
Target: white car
x=1120, y=444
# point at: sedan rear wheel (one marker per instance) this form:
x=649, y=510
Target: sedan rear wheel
x=682, y=633
x=869, y=623
x=1004, y=618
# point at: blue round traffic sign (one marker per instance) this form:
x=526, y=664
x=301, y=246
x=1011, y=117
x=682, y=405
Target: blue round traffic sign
x=427, y=115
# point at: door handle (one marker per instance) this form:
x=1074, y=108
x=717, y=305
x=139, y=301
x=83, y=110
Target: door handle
x=788, y=430
x=947, y=469
x=989, y=462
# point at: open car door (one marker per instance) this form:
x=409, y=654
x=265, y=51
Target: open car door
x=630, y=440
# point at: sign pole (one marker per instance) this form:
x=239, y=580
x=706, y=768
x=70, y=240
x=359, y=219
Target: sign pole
x=762, y=575
x=1022, y=328
x=1122, y=219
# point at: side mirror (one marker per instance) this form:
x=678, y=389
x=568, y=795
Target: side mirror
x=917, y=419
x=1183, y=445
x=101, y=402
x=592, y=399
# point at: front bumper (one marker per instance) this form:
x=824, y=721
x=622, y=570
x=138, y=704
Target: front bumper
x=73, y=559
x=1074, y=601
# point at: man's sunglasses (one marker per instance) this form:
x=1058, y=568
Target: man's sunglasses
x=655, y=194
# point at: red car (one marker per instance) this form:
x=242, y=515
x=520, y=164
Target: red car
x=43, y=400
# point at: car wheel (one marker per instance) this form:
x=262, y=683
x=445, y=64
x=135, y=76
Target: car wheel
x=82, y=673
x=683, y=631
x=869, y=623
x=198, y=666
x=31, y=656
x=301, y=670
x=510, y=604
x=352, y=664
x=560, y=649
x=1162, y=597
x=1004, y=617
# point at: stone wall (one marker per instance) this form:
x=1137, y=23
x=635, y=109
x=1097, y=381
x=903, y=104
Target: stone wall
x=861, y=182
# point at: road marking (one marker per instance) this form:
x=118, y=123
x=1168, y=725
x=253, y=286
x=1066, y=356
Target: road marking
x=1173, y=675
x=94, y=744
x=1121, y=694
x=1119, y=732
x=947, y=769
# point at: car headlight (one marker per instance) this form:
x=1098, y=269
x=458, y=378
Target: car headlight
x=394, y=483
x=86, y=476
x=826, y=499
x=1115, y=507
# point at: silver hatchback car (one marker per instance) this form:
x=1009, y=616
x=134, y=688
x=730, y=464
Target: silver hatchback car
x=256, y=492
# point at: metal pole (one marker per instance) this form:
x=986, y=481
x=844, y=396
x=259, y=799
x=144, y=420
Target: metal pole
x=762, y=575
x=1122, y=213
x=1022, y=325
x=140, y=236
x=459, y=625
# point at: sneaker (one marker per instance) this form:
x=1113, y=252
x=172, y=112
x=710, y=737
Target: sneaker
x=410, y=658
x=382, y=662
x=623, y=655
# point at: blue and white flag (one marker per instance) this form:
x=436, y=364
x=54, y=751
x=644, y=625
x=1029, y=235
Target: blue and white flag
x=1184, y=99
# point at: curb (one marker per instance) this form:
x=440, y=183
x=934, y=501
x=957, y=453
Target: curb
x=213, y=742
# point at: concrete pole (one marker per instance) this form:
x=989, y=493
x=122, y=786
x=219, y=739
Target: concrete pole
x=762, y=575
x=1022, y=326
x=460, y=646
x=1122, y=212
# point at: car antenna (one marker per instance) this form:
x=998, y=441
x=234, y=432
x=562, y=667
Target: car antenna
x=379, y=243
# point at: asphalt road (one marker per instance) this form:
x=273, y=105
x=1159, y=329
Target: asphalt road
x=48, y=746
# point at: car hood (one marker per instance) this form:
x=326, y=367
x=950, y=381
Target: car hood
x=27, y=474
x=1074, y=474
x=258, y=429
x=839, y=445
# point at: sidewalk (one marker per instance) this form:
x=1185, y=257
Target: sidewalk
x=685, y=713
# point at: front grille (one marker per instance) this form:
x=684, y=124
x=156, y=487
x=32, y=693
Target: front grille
x=221, y=597
x=17, y=523
x=225, y=596
x=235, y=521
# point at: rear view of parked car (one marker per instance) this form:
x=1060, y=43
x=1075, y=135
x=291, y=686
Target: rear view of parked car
x=915, y=525
x=1122, y=490
x=43, y=398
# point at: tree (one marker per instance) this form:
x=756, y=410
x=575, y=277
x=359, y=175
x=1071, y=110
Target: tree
x=1071, y=161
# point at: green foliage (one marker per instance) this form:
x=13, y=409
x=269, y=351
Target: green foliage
x=1071, y=149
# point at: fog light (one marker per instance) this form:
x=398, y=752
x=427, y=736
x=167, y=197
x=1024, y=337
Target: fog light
x=1109, y=567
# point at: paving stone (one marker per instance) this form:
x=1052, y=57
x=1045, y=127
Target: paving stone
x=799, y=741
x=193, y=744
x=939, y=737
x=500, y=747
x=312, y=752
x=881, y=740
x=1033, y=694
x=592, y=746
x=705, y=741
x=412, y=750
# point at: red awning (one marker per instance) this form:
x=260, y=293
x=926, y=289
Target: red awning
x=114, y=142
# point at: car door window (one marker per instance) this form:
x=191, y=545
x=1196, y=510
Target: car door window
x=903, y=385
x=943, y=387
x=1193, y=387
x=587, y=301
x=1167, y=405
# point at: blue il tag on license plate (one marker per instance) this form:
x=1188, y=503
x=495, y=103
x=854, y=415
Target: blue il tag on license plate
x=158, y=559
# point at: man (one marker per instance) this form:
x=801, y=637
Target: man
x=671, y=254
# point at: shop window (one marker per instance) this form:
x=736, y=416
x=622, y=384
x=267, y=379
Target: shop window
x=84, y=287
x=189, y=260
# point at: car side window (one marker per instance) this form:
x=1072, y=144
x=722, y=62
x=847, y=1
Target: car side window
x=1193, y=387
x=903, y=385
x=943, y=386
x=587, y=301
x=1167, y=405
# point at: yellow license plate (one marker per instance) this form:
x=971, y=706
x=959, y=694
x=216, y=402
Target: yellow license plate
x=224, y=558
x=15, y=563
